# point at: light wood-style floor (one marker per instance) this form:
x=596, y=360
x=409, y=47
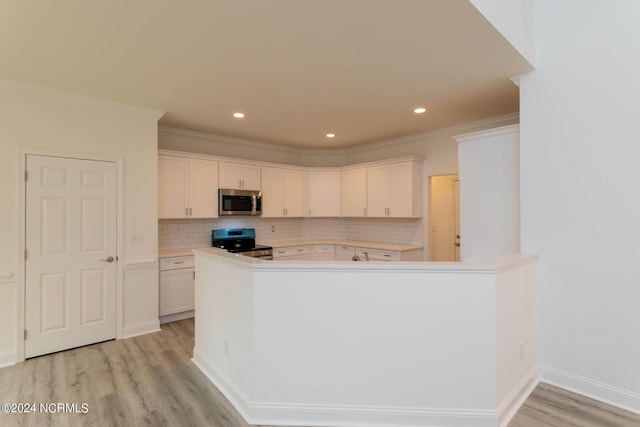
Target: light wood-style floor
x=150, y=381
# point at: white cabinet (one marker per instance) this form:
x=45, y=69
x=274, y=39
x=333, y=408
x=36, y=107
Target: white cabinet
x=353, y=194
x=284, y=192
x=187, y=188
x=394, y=190
x=383, y=255
x=177, y=276
x=344, y=253
x=292, y=252
x=239, y=176
x=324, y=193
x=323, y=253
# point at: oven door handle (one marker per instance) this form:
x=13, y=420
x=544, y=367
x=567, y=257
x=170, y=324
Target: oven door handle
x=254, y=204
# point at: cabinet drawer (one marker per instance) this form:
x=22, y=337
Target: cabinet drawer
x=290, y=251
x=323, y=249
x=378, y=255
x=174, y=263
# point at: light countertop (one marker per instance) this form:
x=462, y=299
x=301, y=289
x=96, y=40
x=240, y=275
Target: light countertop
x=356, y=243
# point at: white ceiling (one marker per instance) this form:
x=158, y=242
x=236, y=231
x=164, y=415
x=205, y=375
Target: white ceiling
x=297, y=68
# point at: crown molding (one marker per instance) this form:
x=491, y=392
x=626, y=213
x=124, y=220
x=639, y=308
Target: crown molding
x=227, y=139
x=473, y=136
x=18, y=88
x=492, y=122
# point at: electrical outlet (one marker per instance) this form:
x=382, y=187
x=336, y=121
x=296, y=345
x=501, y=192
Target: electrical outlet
x=136, y=239
x=273, y=228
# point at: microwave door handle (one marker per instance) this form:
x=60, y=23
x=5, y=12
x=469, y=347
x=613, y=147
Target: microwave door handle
x=254, y=204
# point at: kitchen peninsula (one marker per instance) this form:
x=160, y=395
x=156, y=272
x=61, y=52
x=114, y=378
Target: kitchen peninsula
x=337, y=343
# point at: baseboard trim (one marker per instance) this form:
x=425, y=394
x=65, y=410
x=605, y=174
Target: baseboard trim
x=141, y=329
x=227, y=387
x=294, y=414
x=516, y=398
x=597, y=390
x=178, y=316
x=7, y=358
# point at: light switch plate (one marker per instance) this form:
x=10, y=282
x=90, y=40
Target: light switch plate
x=136, y=239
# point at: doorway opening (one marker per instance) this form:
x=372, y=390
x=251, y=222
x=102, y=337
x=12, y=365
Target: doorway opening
x=444, y=218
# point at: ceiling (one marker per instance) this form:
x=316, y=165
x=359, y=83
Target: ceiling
x=298, y=69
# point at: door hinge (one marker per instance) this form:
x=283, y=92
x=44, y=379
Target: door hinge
x=25, y=334
x=26, y=175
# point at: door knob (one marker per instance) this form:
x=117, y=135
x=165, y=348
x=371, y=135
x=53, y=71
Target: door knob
x=110, y=259
x=457, y=243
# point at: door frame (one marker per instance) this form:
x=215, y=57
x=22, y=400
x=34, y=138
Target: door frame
x=22, y=234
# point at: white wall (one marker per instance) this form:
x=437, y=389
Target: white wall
x=45, y=119
x=489, y=193
x=580, y=200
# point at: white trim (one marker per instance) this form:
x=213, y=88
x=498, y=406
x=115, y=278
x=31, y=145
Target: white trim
x=504, y=130
x=141, y=329
x=228, y=139
x=516, y=398
x=492, y=122
x=597, y=390
x=23, y=89
x=139, y=263
x=7, y=358
x=296, y=414
x=178, y=316
x=21, y=214
x=227, y=387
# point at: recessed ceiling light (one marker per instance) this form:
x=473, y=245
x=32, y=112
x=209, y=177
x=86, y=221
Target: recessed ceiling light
x=419, y=110
x=238, y=115
x=331, y=135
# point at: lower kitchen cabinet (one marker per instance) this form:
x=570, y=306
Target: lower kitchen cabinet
x=177, y=277
x=323, y=253
x=292, y=252
x=344, y=253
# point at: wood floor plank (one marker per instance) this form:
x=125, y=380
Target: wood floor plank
x=150, y=381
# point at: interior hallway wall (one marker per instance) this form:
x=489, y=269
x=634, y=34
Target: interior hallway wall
x=580, y=203
x=43, y=119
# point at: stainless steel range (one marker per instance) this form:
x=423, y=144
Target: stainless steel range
x=241, y=241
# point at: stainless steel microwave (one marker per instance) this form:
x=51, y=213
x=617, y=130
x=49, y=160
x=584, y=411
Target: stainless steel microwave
x=239, y=202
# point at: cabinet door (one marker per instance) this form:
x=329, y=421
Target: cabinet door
x=172, y=187
x=344, y=253
x=272, y=192
x=353, y=194
x=400, y=190
x=295, y=193
x=378, y=191
x=230, y=175
x=203, y=188
x=176, y=291
x=251, y=177
x=324, y=194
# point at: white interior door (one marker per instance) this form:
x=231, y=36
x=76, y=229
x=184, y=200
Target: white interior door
x=444, y=219
x=456, y=216
x=71, y=229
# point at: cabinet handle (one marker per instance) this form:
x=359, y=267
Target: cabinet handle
x=186, y=211
x=387, y=255
x=178, y=262
x=300, y=250
x=190, y=211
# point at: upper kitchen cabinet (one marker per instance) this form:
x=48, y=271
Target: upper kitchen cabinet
x=239, y=176
x=394, y=190
x=284, y=192
x=324, y=193
x=354, y=192
x=187, y=187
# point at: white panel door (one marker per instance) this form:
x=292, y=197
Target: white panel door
x=324, y=194
x=400, y=190
x=272, y=192
x=378, y=191
x=172, y=187
x=295, y=193
x=71, y=229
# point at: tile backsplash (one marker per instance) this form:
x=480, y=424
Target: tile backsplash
x=191, y=233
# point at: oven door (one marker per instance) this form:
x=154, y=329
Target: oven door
x=239, y=202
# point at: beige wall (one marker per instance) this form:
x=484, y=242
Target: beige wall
x=32, y=118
